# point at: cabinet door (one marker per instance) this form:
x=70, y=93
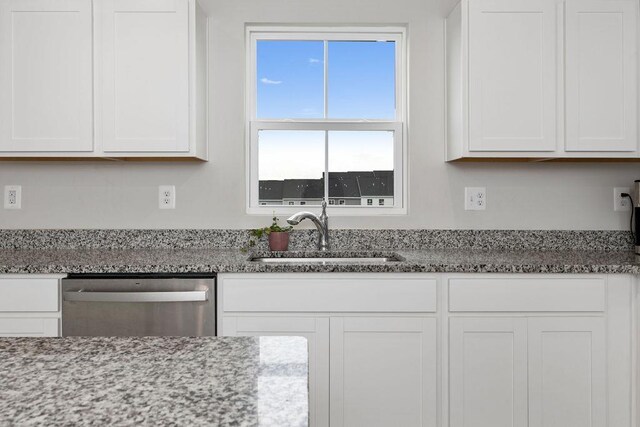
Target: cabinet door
x=144, y=73
x=512, y=75
x=316, y=331
x=46, y=76
x=567, y=372
x=383, y=371
x=29, y=327
x=601, y=76
x=488, y=372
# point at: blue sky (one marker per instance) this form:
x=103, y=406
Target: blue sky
x=290, y=82
x=361, y=79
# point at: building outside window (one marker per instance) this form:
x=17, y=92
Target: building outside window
x=326, y=118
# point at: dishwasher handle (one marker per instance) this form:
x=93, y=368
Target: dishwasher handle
x=180, y=296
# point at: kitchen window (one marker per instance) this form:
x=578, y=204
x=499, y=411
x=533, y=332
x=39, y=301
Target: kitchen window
x=326, y=119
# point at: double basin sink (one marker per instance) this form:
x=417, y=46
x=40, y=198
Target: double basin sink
x=325, y=258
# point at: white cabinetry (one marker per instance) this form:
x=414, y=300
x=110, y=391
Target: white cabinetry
x=380, y=346
x=45, y=76
x=103, y=78
x=567, y=372
x=538, y=372
x=30, y=305
x=457, y=350
x=540, y=351
x=145, y=76
x=512, y=75
x=383, y=371
x=315, y=330
x=488, y=372
x=151, y=78
x=601, y=76
x=542, y=79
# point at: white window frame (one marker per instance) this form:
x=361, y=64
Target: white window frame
x=398, y=126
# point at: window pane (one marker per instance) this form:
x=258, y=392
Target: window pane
x=290, y=167
x=361, y=167
x=290, y=79
x=361, y=80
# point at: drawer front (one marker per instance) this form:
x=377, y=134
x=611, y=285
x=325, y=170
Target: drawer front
x=340, y=294
x=28, y=327
x=29, y=294
x=527, y=294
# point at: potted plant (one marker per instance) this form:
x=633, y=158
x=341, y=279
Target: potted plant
x=278, y=236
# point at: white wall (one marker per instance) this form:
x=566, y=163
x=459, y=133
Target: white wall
x=211, y=195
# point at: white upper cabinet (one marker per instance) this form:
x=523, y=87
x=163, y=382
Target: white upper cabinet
x=512, y=75
x=151, y=78
x=601, y=76
x=145, y=75
x=45, y=76
x=542, y=79
x=103, y=78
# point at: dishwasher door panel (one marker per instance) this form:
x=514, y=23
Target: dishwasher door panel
x=138, y=307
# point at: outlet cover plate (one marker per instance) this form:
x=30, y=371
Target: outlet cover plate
x=621, y=204
x=13, y=197
x=475, y=198
x=167, y=197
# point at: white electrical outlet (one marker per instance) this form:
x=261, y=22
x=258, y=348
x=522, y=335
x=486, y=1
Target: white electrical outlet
x=621, y=203
x=475, y=198
x=167, y=197
x=12, y=197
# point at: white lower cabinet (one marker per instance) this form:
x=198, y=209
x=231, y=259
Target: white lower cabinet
x=372, y=340
x=488, y=372
x=30, y=305
x=29, y=326
x=456, y=350
x=567, y=372
x=316, y=331
x=519, y=371
x=383, y=371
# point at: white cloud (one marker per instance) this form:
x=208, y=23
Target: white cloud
x=270, y=82
x=314, y=61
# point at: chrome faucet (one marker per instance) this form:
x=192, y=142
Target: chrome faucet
x=321, y=223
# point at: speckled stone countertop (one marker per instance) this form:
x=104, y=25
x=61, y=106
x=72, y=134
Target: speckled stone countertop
x=203, y=260
x=243, y=381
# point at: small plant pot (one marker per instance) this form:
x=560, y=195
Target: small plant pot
x=278, y=241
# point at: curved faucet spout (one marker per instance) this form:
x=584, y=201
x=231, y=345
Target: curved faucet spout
x=321, y=222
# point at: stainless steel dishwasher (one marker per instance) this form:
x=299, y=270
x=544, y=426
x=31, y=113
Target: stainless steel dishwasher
x=138, y=305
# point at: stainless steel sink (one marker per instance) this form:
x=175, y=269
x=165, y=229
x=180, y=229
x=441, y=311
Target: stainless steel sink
x=349, y=259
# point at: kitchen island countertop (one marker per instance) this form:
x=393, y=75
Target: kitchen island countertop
x=241, y=381
x=202, y=260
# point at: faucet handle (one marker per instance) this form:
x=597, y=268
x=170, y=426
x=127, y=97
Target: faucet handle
x=324, y=207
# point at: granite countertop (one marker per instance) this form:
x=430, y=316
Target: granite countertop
x=206, y=260
x=243, y=381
